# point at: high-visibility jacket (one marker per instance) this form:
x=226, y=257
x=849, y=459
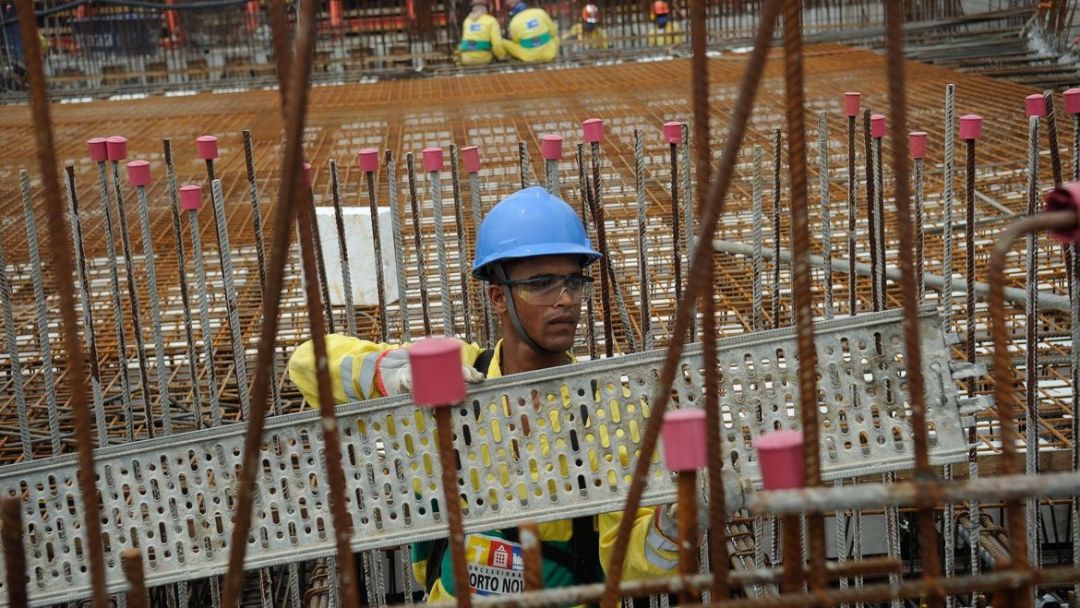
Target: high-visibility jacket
x=533, y=37
x=671, y=34
x=481, y=41
x=353, y=367
x=596, y=39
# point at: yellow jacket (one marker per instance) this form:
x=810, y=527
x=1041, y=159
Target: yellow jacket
x=353, y=371
x=672, y=34
x=596, y=39
x=533, y=37
x=481, y=41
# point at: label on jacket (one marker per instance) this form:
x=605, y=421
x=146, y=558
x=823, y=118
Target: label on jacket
x=496, y=566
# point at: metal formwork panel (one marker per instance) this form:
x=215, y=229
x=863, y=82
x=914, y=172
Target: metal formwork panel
x=538, y=446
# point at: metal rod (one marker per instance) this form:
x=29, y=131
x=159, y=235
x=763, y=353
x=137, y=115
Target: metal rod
x=155, y=312
x=688, y=530
x=18, y=389
x=947, y=206
x=871, y=208
x=525, y=167
x=489, y=318
x=463, y=247
x=399, y=247
x=376, y=244
x=852, y=208
x=11, y=530
x=132, y=563
x=451, y=502
x=644, y=282
x=421, y=266
x=204, y=318
x=343, y=251
x=596, y=205
x=1031, y=340
x=231, y=306
x=774, y=289
x=758, y=322
x=826, y=223
x=320, y=261
x=590, y=303
x=435, y=191
x=677, y=244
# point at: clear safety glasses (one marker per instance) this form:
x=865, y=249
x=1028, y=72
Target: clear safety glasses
x=545, y=290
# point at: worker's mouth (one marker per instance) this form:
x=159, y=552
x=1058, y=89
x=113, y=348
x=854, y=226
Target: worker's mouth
x=564, y=321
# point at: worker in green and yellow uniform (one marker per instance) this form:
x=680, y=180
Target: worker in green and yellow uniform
x=587, y=33
x=531, y=249
x=481, y=39
x=664, y=31
x=531, y=35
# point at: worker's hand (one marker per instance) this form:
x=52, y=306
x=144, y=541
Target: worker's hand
x=394, y=375
x=403, y=381
x=735, y=488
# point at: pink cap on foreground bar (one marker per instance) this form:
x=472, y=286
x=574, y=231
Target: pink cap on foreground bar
x=190, y=197
x=99, y=151
x=877, y=125
x=436, y=372
x=780, y=456
x=207, y=145
x=1072, y=101
x=684, y=440
x=1064, y=198
x=1036, y=105
x=139, y=173
x=594, y=130
x=851, y=103
x=470, y=157
x=433, y=159
x=673, y=132
x=368, y=158
x=917, y=140
x=970, y=126
x=551, y=147
x=117, y=147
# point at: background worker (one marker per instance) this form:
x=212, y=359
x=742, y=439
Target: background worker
x=530, y=250
x=587, y=33
x=481, y=39
x=531, y=34
x=664, y=31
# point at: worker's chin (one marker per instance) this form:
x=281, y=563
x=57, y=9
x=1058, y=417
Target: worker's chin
x=559, y=339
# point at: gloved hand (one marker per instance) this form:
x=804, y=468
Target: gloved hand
x=394, y=375
x=735, y=488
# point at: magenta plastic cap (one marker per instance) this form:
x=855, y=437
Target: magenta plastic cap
x=307, y=173
x=1065, y=198
x=470, y=157
x=594, y=130
x=917, y=140
x=116, y=147
x=1036, y=105
x=970, y=126
x=139, y=173
x=99, y=152
x=551, y=147
x=433, y=159
x=207, y=147
x=1072, y=101
x=436, y=372
x=368, y=159
x=684, y=440
x=190, y=197
x=673, y=132
x=780, y=456
x=851, y=103
x=877, y=125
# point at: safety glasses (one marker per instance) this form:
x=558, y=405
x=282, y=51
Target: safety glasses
x=545, y=290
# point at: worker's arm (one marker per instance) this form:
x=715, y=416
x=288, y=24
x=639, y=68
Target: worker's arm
x=650, y=553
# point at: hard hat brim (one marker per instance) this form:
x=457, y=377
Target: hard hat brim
x=482, y=268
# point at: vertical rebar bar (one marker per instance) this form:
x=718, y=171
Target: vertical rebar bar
x=320, y=260
x=774, y=289
x=164, y=409
x=1031, y=340
x=871, y=207
x=11, y=531
x=920, y=234
x=204, y=314
x=677, y=245
x=852, y=210
x=474, y=197
x=524, y=166
x=231, y=305
x=18, y=389
x=435, y=191
x=463, y=247
x=644, y=303
x=947, y=213
x=599, y=216
x=758, y=261
x=826, y=223
x=399, y=246
x=451, y=502
x=418, y=243
x=687, y=225
x=879, y=216
x=590, y=303
x=343, y=250
x=132, y=563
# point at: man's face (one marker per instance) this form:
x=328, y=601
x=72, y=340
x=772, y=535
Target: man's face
x=552, y=326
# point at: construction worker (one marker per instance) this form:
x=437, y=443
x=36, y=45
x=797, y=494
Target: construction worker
x=587, y=33
x=664, y=31
x=530, y=250
x=531, y=34
x=481, y=39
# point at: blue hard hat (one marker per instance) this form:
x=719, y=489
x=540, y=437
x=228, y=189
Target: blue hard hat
x=530, y=223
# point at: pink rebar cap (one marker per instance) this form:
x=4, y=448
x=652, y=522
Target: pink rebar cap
x=368, y=159
x=1036, y=105
x=877, y=125
x=99, y=151
x=1065, y=198
x=917, y=141
x=470, y=157
x=436, y=372
x=780, y=456
x=673, y=132
x=594, y=130
x=307, y=173
x=551, y=147
x=970, y=126
x=139, y=173
x=1072, y=101
x=433, y=159
x=684, y=440
x=207, y=147
x=117, y=147
x=190, y=197
x=851, y=103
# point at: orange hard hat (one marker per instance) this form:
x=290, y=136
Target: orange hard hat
x=590, y=14
x=660, y=8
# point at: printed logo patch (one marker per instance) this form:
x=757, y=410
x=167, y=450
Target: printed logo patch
x=532, y=24
x=475, y=27
x=496, y=566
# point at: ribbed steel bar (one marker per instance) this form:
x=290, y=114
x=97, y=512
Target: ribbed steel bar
x=18, y=389
x=677, y=243
x=231, y=305
x=590, y=305
x=644, y=282
x=920, y=234
x=474, y=197
x=871, y=207
x=687, y=224
x=11, y=532
x=599, y=220
x=435, y=191
x=399, y=246
x=947, y=206
x=1031, y=340
x=826, y=220
x=320, y=277
x=852, y=216
x=343, y=250
x=758, y=323
x=688, y=529
x=133, y=568
x=447, y=457
x=463, y=248
x=150, y=268
x=204, y=318
x=777, y=240
x=418, y=243
x=524, y=165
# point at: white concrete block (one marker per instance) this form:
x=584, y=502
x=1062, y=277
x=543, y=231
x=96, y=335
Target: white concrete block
x=360, y=247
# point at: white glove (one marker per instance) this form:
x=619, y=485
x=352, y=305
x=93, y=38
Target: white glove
x=395, y=374
x=735, y=488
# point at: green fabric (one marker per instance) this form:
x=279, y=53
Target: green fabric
x=475, y=45
x=536, y=41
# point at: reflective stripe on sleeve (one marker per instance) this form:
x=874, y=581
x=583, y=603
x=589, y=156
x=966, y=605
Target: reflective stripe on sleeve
x=347, y=378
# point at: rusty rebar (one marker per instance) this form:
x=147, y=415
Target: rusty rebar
x=463, y=246
x=343, y=249
x=418, y=243
x=852, y=210
x=687, y=497
x=590, y=304
x=599, y=217
x=11, y=531
x=376, y=243
x=444, y=424
x=132, y=561
x=871, y=205
x=675, y=213
x=699, y=66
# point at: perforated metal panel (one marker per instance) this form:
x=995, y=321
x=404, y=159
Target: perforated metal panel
x=541, y=446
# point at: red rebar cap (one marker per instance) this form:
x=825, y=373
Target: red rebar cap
x=307, y=173
x=877, y=125
x=139, y=173
x=1072, y=101
x=368, y=159
x=684, y=440
x=673, y=132
x=1036, y=105
x=851, y=103
x=780, y=457
x=970, y=126
x=551, y=147
x=116, y=147
x=436, y=372
x=594, y=130
x=470, y=157
x=917, y=141
x=207, y=145
x=191, y=197
x=99, y=151
x=1065, y=198
x=433, y=159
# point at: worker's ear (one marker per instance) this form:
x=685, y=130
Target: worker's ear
x=498, y=298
